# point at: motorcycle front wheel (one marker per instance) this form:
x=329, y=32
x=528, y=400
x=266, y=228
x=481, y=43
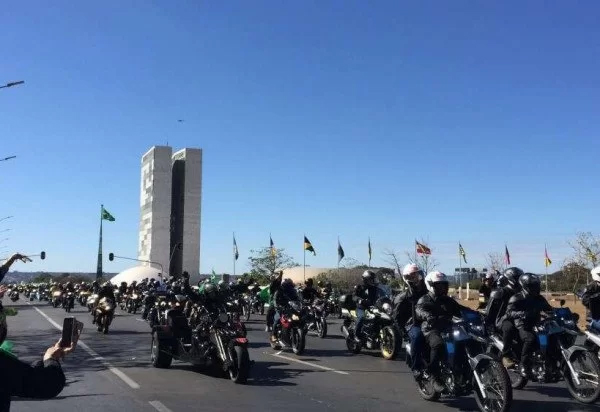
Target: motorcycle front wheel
x=497, y=387
x=587, y=366
x=322, y=328
x=390, y=343
x=298, y=341
x=240, y=368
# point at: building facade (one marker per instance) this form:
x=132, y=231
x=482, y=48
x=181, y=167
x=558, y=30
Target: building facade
x=186, y=200
x=170, y=199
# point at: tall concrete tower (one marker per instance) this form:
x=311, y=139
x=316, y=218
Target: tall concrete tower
x=155, y=202
x=186, y=203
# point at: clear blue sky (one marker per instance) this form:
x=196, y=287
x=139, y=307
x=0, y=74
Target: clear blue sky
x=447, y=121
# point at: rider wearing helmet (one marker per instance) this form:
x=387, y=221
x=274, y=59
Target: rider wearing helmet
x=282, y=297
x=365, y=296
x=591, y=298
x=404, y=309
x=525, y=309
x=123, y=288
x=485, y=290
x=435, y=311
x=276, y=280
x=309, y=293
x=496, y=309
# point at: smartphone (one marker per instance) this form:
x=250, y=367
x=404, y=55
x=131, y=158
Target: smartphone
x=69, y=328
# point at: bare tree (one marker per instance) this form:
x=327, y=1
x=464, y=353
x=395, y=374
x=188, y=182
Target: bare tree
x=586, y=251
x=349, y=263
x=495, y=262
x=425, y=262
x=393, y=258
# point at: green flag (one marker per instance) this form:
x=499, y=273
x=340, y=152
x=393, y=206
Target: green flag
x=213, y=277
x=106, y=215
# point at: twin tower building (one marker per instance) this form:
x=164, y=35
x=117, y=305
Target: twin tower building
x=170, y=200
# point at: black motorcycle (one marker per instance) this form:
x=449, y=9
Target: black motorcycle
x=467, y=369
x=213, y=342
x=133, y=302
x=316, y=321
x=290, y=331
x=378, y=331
x=68, y=302
x=13, y=294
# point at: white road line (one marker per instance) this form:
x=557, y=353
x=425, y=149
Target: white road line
x=159, y=406
x=132, y=384
x=140, y=320
x=314, y=365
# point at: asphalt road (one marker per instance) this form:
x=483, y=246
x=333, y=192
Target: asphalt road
x=112, y=373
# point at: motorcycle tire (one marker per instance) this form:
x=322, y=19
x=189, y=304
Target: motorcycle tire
x=352, y=345
x=516, y=380
x=159, y=356
x=298, y=338
x=240, y=368
x=426, y=391
x=247, y=312
x=390, y=353
x=502, y=379
x=105, y=324
x=322, y=328
x=594, y=364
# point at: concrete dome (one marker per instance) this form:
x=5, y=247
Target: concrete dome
x=137, y=273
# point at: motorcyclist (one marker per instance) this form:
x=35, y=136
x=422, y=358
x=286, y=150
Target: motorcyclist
x=525, y=309
x=496, y=310
x=365, y=295
x=283, y=295
x=123, y=289
x=435, y=311
x=309, y=293
x=276, y=281
x=327, y=290
x=485, y=290
x=95, y=287
x=591, y=299
x=106, y=291
x=405, y=310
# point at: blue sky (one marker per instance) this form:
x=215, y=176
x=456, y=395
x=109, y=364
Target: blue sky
x=446, y=121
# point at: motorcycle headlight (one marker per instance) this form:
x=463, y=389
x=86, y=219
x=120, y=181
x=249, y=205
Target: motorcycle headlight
x=295, y=317
x=387, y=308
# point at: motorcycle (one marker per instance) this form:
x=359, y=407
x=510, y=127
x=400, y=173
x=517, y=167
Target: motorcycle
x=83, y=297
x=105, y=312
x=317, y=322
x=69, y=302
x=157, y=314
x=213, y=342
x=91, y=302
x=57, y=297
x=378, y=332
x=13, y=294
x=557, y=358
x=332, y=306
x=133, y=302
x=467, y=369
x=291, y=329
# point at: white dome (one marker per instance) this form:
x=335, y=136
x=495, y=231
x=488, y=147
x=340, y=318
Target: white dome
x=137, y=273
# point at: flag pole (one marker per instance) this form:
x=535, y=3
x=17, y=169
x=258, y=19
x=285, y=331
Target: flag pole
x=546, y=265
x=304, y=263
x=234, y=254
x=369, y=252
x=99, y=264
x=459, y=267
x=338, y=267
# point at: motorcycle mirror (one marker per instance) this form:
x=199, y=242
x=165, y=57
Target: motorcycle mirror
x=111, y=256
x=562, y=302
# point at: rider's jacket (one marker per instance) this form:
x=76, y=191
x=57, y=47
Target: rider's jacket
x=591, y=299
x=405, y=305
x=435, y=313
x=497, y=304
x=525, y=311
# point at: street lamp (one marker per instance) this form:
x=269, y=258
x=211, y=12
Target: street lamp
x=112, y=256
x=12, y=84
x=7, y=158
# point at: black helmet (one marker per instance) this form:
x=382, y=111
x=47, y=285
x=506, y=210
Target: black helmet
x=512, y=276
x=309, y=282
x=210, y=289
x=368, y=277
x=287, y=284
x=502, y=281
x=531, y=284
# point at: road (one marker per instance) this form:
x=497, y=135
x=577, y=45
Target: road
x=112, y=373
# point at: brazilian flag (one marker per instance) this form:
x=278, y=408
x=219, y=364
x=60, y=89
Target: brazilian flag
x=308, y=246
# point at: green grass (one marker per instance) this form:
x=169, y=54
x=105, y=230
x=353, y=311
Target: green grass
x=10, y=311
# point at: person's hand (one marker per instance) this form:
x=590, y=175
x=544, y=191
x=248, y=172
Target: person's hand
x=54, y=352
x=3, y=289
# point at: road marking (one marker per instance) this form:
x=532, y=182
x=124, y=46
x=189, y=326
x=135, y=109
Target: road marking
x=132, y=384
x=140, y=320
x=159, y=406
x=314, y=365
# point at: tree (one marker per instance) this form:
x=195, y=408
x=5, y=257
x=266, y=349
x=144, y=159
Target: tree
x=265, y=262
x=586, y=251
x=393, y=258
x=495, y=262
x=426, y=262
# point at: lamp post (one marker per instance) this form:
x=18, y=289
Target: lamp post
x=112, y=256
x=12, y=84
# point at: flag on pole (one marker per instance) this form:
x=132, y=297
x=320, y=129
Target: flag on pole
x=106, y=215
x=422, y=249
x=370, y=250
x=340, y=252
x=461, y=252
x=591, y=255
x=547, y=260
x=506, y=255
x=213, y=277
x=272, y=246
x=236, y=253
x=308, y=246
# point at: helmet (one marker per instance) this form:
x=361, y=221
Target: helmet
x=210, y=290
x=530, y=284
x=596, y=274
x=223, y=285
x=512, y=275
x=287, y=284
x=437, y=283
x=502, y=281
x=368, y=277
x=489, y=276
x=320, y=283
x=411, y=274
x=123, y=283
x=231, y=284
x=309, y=282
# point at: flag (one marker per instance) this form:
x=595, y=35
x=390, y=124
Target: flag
x=213, y=277
x=236, y=253
x=547, y=260
x=370, y=250
x=340, y=252
x=591, y=255
x=506, y=255
x=308, y=246
x=106, y=215
x=461, y=252
x=272, y=246
x=422, y=249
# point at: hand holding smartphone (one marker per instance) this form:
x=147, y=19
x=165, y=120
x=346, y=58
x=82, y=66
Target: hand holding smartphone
x=70, y=332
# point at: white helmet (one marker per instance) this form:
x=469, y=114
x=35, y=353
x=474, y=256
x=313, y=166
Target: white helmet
x=435, y=277
x=489, y=276
x=411, y=274
x=596, y=273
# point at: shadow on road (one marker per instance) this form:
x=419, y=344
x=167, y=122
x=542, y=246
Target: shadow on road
x=270, y=374
x=326, y=353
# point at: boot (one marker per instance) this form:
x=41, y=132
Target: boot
x=507, y=362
